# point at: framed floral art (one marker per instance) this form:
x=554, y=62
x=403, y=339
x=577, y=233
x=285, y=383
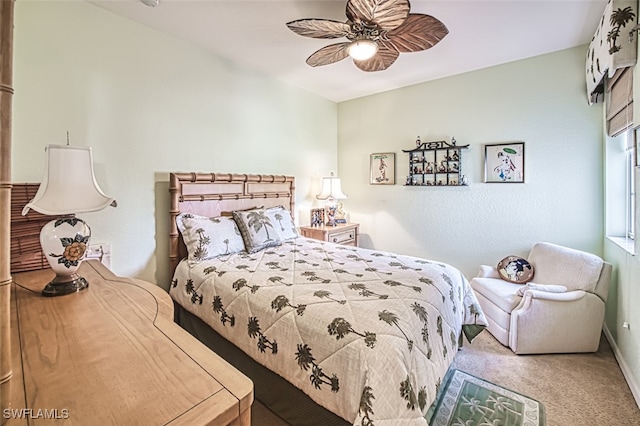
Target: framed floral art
x=504, y=163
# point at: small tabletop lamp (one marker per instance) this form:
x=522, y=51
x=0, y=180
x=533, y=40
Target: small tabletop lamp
x=68, y=187
x=331, y=191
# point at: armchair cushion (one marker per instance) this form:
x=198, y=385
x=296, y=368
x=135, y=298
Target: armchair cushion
x=550, y=288
x=487, y=271
x=574, y=269
x=499, y=292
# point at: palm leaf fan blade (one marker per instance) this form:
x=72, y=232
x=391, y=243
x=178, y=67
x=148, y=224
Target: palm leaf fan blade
x=387, y=14
x=383, y=59
x=418, y=32
x=328, y=55
x=319, y=28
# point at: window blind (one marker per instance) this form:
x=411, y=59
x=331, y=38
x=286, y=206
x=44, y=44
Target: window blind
x=619, y=101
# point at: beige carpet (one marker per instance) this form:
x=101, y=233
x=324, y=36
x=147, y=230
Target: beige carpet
x=576, y=389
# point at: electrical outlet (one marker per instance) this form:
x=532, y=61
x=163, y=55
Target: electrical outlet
x=101, y=251
x=626, y=325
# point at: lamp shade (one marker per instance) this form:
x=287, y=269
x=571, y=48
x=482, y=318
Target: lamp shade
x=331, y=189
x=68, y=185
x=362, y=49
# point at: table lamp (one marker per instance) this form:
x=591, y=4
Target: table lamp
x=331, y=191
x=68, y=187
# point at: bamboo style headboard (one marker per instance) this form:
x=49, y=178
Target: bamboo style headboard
x=215, y=194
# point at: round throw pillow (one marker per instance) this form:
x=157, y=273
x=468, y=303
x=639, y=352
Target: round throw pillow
x=515, y=269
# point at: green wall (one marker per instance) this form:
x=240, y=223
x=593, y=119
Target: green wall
x=149, y=104
x=540, y=101
x=621, y=308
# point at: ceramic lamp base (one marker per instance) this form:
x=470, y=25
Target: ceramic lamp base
x=62, y=285
x=65, y=241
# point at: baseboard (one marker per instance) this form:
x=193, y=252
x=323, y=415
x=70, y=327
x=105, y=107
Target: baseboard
x=626, y=372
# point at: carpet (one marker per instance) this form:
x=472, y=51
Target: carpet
x=466, y=400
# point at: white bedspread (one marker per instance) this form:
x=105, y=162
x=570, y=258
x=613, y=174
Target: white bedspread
x=367, y=334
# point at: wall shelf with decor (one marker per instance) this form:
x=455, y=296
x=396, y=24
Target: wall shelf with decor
x=436, y=164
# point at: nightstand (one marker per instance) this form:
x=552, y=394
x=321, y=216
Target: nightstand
x=343, y=233
x=111, y=354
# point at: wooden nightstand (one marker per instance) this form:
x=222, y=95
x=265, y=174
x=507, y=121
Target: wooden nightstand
x=343, y=233
x=111, y=354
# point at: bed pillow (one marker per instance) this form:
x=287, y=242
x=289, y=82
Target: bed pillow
x=209, y=237
x=230, y=214
x=257, y=229
x=515, y=269
x=283, y=222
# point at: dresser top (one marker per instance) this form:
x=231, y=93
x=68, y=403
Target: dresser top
x=111, y=354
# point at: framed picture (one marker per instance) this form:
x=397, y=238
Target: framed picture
x=317, y=217
x=504, y=163
x=383, y=168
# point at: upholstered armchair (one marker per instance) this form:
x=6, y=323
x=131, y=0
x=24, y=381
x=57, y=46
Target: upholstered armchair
x=561, y=310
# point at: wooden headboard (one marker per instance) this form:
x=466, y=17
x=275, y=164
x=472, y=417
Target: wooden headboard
x=215, y=194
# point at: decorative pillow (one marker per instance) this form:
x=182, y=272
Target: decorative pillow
x=257, y=229
x=283, y=222
x=209, y=237
x=515, y=269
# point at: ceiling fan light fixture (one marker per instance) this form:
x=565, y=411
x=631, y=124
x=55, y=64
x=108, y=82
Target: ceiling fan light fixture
x=362, y=49
x=377, y=31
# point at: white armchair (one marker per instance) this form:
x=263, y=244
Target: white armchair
x=560, y=311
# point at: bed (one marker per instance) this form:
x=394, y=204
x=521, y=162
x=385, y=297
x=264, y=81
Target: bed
x=329, y=334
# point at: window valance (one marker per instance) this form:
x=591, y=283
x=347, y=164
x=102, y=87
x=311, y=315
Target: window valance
x=613, y=45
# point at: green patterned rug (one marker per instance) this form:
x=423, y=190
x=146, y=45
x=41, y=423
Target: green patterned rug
x=465, y=400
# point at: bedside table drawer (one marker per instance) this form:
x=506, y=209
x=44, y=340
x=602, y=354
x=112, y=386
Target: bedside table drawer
x=344, y=237
x=343, y=233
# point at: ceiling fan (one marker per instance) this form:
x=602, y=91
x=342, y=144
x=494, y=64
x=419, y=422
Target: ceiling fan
x=377, y=30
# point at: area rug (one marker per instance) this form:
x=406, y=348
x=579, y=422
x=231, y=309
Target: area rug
x=466, y=400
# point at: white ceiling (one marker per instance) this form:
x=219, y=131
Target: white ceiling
x=482, y=33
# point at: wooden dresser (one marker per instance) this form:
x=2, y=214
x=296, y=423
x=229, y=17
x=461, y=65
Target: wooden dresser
x=342, y=233
x=112, y=354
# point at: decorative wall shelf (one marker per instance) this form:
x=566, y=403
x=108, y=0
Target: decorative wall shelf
x=436, y=164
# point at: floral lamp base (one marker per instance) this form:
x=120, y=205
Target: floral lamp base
x=64, y=242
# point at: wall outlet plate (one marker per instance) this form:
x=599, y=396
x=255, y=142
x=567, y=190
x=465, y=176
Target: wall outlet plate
x=100, y=251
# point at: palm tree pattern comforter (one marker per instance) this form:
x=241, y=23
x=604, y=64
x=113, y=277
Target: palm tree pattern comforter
x=367, y=334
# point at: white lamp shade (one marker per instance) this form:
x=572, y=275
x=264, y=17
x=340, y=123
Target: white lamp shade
x=362, y=49
x=331, y=189
x=68, y=185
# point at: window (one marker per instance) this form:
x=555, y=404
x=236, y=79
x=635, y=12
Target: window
x=630, y=191
x=620, y=189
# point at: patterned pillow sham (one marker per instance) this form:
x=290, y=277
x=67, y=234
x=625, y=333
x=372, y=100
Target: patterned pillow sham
x=283, y=222
x=257, y=228
x=209, y=237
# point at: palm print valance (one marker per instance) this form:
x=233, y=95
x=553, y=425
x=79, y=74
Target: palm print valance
x=612, y=46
